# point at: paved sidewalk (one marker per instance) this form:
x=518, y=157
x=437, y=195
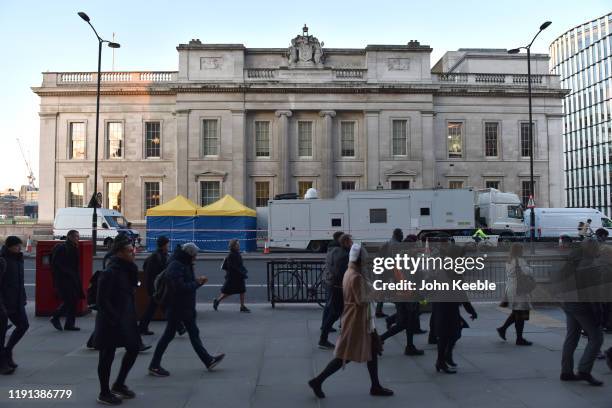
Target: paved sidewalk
x=271, y=353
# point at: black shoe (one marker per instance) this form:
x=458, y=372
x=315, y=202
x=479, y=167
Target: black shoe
x=244, y=309
x=523, y=342
x=326, y=345
x=316, y=388
x=109, y=399
x=9, y=359
x=589, y=378
x=5, y=369
x=72, y=328
x=146, y=332
x=450, y=361
x=444, y=368
x=215, y=304
x=56, y=323
x=609, y=358
x=158, y=372
x=569, y=377
x=420, y=331
x=181, y=330
x=122, y=391
x=380, y=392
x=502, y=333
x=413, y=351
x=215, y=361
x=143, y=347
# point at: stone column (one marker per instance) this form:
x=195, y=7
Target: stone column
x=372, y=127
x=182, y=152
x=47, y=175
x=328, y=153
x=556, y=177
x=284, y=169
x=239, y=156
x=428, y=160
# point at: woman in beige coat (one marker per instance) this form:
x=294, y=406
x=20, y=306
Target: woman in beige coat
x=358, y=341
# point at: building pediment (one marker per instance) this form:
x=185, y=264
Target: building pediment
x=211, y=174
x=400, y=173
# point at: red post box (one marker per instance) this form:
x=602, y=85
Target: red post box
x=45, y=296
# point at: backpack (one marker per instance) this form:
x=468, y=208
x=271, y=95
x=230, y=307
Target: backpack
x=92, y=291
x=162, y=288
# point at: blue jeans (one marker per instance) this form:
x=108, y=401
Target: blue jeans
x=168, y=335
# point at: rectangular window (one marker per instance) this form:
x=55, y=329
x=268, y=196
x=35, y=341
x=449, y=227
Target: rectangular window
x=400, y=185
x=151, y=194
x=455, y=184
x=76, y=194
x=210, y=138
x=113, y=195
x=425, y=211
x=455, y=140
x=210, y=191
x=378, y=215
x=262, y=193
x=114, y=140
x=347, y=139
x=262, y=139
x=492, y=184
x=491, y=139
x=152, y=139
x=400, y=138
x=77, y=141
x=304, y=139
x=336, y=222
x=303, y=187
x=526, y=191
x=347, y=185
x=525, y=140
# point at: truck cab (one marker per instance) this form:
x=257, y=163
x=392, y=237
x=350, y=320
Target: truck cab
x=500, y=213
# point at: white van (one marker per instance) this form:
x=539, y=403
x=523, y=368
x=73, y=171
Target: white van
x=551, y=223
x=110, y=224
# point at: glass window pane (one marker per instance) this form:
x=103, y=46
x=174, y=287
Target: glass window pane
x=210, y=138
x=304, y=139
x=492, y=184
x=77, y=141
x=347, y=139
x=455, y=139
x=303, y=187
x=400, y=185
x=525, y=140
x=76, y=194
x=113, y=195
x=152, y=194
x=262, y=139
x=491, y=139
x=455, y=184
x=400, y=138
x=152, y=139
x=210, y=191
x=348, y=185
x=114, y=140
x=262, y=193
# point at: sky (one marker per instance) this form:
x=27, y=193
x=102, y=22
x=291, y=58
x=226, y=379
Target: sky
x=39, y=36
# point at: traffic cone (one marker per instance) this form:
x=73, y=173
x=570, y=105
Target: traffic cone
x=266, y=247
x=29, y=245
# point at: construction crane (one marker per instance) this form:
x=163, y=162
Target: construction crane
x=31, y=177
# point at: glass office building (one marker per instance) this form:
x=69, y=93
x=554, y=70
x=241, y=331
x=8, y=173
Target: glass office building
x=582, y=57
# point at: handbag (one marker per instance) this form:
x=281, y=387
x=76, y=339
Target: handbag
x=525, y=284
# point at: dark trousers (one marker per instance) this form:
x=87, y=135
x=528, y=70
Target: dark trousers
x=336, y=364
x=404, y=320
x=68, y=308
x=169, y=333
x=445, y=349
x=577, y=321
x=332, y=311
x=105, y=363
x=3, y=330
x=148, y=314
x=20, y=321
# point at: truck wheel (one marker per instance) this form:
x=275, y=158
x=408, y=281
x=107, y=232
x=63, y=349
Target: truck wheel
x=317, y=246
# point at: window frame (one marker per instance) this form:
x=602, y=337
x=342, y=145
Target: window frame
x=217, y=120
x=68, y=191
x=406, y=121
x=255, y=140
x=70, y=155
x=462, y=141
x=107, y=124
x=200, y=196
x=451, y=181
x=497, y=139
x=312, y=138
x=106, y=193
x=145, y=181
x=341, y=140
x=161, y=139
x=533, y=135
x=305, y=180
x=355, y=185
x=255, y=190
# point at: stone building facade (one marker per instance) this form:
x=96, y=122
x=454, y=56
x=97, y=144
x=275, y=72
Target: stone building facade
x=256, y=122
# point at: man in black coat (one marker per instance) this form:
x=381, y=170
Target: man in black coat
x=337, y=265
x=12, y=292
x=116, y=322
x=4, y=367
x=67, y=281
x=153, y=266
x=181, y=307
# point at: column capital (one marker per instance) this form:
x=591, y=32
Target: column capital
x=330, y=113
x=286, y=113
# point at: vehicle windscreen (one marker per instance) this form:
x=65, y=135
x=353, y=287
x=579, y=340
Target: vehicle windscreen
x=115, y=221
x=515, y=211
x=606, y=223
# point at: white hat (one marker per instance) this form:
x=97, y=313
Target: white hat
x=355, y=252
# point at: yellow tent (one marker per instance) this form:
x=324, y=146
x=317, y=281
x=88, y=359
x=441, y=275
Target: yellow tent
x=227, y=206
x=177, y=207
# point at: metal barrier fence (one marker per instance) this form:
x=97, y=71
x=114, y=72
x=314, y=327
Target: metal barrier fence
x=296, y=281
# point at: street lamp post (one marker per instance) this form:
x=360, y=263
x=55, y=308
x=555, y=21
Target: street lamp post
x=530, y=132
x=94, y=198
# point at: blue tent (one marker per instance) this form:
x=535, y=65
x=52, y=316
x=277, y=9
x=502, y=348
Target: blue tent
x=223, y=220
x=174, y=219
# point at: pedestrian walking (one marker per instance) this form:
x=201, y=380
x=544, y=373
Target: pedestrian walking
x=5, y=369
x=327, y=278
x=235, y=276
x=582, y=316
x=337, y=265
x=358, y=340
x=12, y=292
x=116, y=322
x=181, y=307
x=518, y=300
x=396, y=237
x=67, y=281
x=406, y=319
x=152, y=267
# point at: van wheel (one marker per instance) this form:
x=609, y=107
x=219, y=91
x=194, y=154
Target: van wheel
x=317, y=246
x=108, y=243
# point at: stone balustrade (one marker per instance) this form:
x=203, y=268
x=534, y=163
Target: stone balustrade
x=492, y=79
x=115, y=77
